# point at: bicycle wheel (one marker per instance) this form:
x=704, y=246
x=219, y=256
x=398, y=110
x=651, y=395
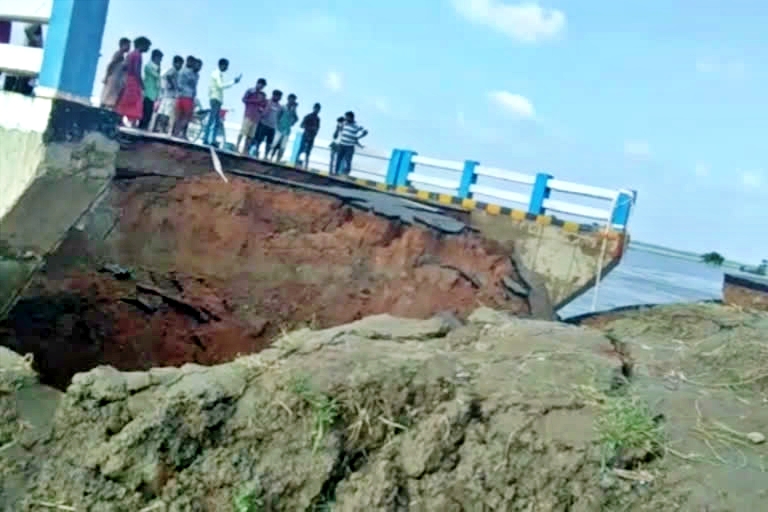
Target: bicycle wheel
x=195, y=128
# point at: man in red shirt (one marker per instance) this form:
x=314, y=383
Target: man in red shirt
x=255, y=100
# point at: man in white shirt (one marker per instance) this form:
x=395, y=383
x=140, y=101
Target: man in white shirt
x=216, y=97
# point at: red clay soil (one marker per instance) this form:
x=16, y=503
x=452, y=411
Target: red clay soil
x=219, y=269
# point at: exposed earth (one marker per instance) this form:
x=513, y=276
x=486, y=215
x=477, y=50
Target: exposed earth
x=663, y=409
x=201, y=346
x=196, y=270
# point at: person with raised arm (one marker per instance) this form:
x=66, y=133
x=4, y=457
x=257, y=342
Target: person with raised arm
x=216, y=99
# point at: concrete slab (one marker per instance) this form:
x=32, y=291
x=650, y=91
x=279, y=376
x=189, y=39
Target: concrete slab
x=56, y=158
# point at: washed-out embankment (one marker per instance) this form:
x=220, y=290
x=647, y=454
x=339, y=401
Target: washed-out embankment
x=172, y=270
x=250, y=347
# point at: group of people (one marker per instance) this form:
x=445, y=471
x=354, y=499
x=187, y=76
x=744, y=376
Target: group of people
x=148, y=99
x=166, y=102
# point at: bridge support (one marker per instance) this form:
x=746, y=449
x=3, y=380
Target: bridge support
x=57, y=153
x=71, y=50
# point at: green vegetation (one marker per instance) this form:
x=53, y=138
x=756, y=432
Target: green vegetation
x=713, y=258
x=325, y=410
x=248, y=500
x=626, y=428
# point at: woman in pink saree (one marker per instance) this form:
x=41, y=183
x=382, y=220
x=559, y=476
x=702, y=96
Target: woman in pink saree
x=113, y=80
x=130, y=104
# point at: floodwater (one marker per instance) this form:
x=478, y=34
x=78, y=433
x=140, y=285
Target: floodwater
x=649, y=278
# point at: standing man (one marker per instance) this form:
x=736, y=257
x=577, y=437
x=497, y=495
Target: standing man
x=113, y=79
x=166, y=111
x=334, y=147
x=185, y=102
x=285, y=122
x=350, y=136
x=216, y=97
x=151, y=87
x=311, y=126
x=268, y=123
x=255, y=101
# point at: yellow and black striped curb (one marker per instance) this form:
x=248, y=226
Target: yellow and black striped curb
x=444, y=199
x=471, y=204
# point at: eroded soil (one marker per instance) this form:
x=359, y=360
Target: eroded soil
x=198, y=270
x=411, y=415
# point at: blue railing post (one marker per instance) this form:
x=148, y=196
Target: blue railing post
x=405, y=167
x=539, y=193
x=623, y=207
x=72, y=47
x=468, y=178
x=394, y=167
x=296, y=148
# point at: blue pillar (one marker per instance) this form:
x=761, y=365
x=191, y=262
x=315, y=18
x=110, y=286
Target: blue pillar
x=296, y=148
x=393, y=167
x=405, y=167
x=539, y=193
x=623, y=207
x=72, y=47
x=468, y=178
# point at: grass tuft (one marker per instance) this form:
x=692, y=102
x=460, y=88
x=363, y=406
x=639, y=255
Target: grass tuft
x=325, y=410
x=626, y=428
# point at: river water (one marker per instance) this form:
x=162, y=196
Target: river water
x=648, y=278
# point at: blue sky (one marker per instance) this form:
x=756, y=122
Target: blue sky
x=663, y=97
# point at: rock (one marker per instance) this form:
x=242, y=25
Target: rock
x=485, y=315
x=756, y=437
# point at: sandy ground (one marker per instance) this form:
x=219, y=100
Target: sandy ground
x=662, y=409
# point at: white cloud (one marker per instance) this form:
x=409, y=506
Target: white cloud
x=637, y=149
x=701, y=169
x=515, y=104
x=333, y=81
x=526, y=21
x=752, y=179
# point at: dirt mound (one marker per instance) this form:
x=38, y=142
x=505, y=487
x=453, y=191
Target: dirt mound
x=704, y=367
x=198, y=270
x=401, y=414
x=380, y=414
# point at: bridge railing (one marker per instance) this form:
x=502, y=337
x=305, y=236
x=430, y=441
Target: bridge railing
x=472, y=182
x=468, y=181
x=19, y=59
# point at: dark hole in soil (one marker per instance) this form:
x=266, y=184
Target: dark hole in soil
x=55, y=330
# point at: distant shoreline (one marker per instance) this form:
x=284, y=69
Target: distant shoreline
x=674, y=253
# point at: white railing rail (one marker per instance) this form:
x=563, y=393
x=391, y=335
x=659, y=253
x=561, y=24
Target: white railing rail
x=15, y=57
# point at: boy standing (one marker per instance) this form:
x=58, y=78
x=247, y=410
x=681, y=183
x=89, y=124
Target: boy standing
x=268, y=123
x=311, y=126
x=350, y=136
x=216, y=98
x=166, y=111
x=151, y=87
x=334, y=147
x=185, y=102
x=285, y=122
x=255, y=101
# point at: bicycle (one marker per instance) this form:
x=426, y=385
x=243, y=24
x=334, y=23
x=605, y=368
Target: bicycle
x=196, y=127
